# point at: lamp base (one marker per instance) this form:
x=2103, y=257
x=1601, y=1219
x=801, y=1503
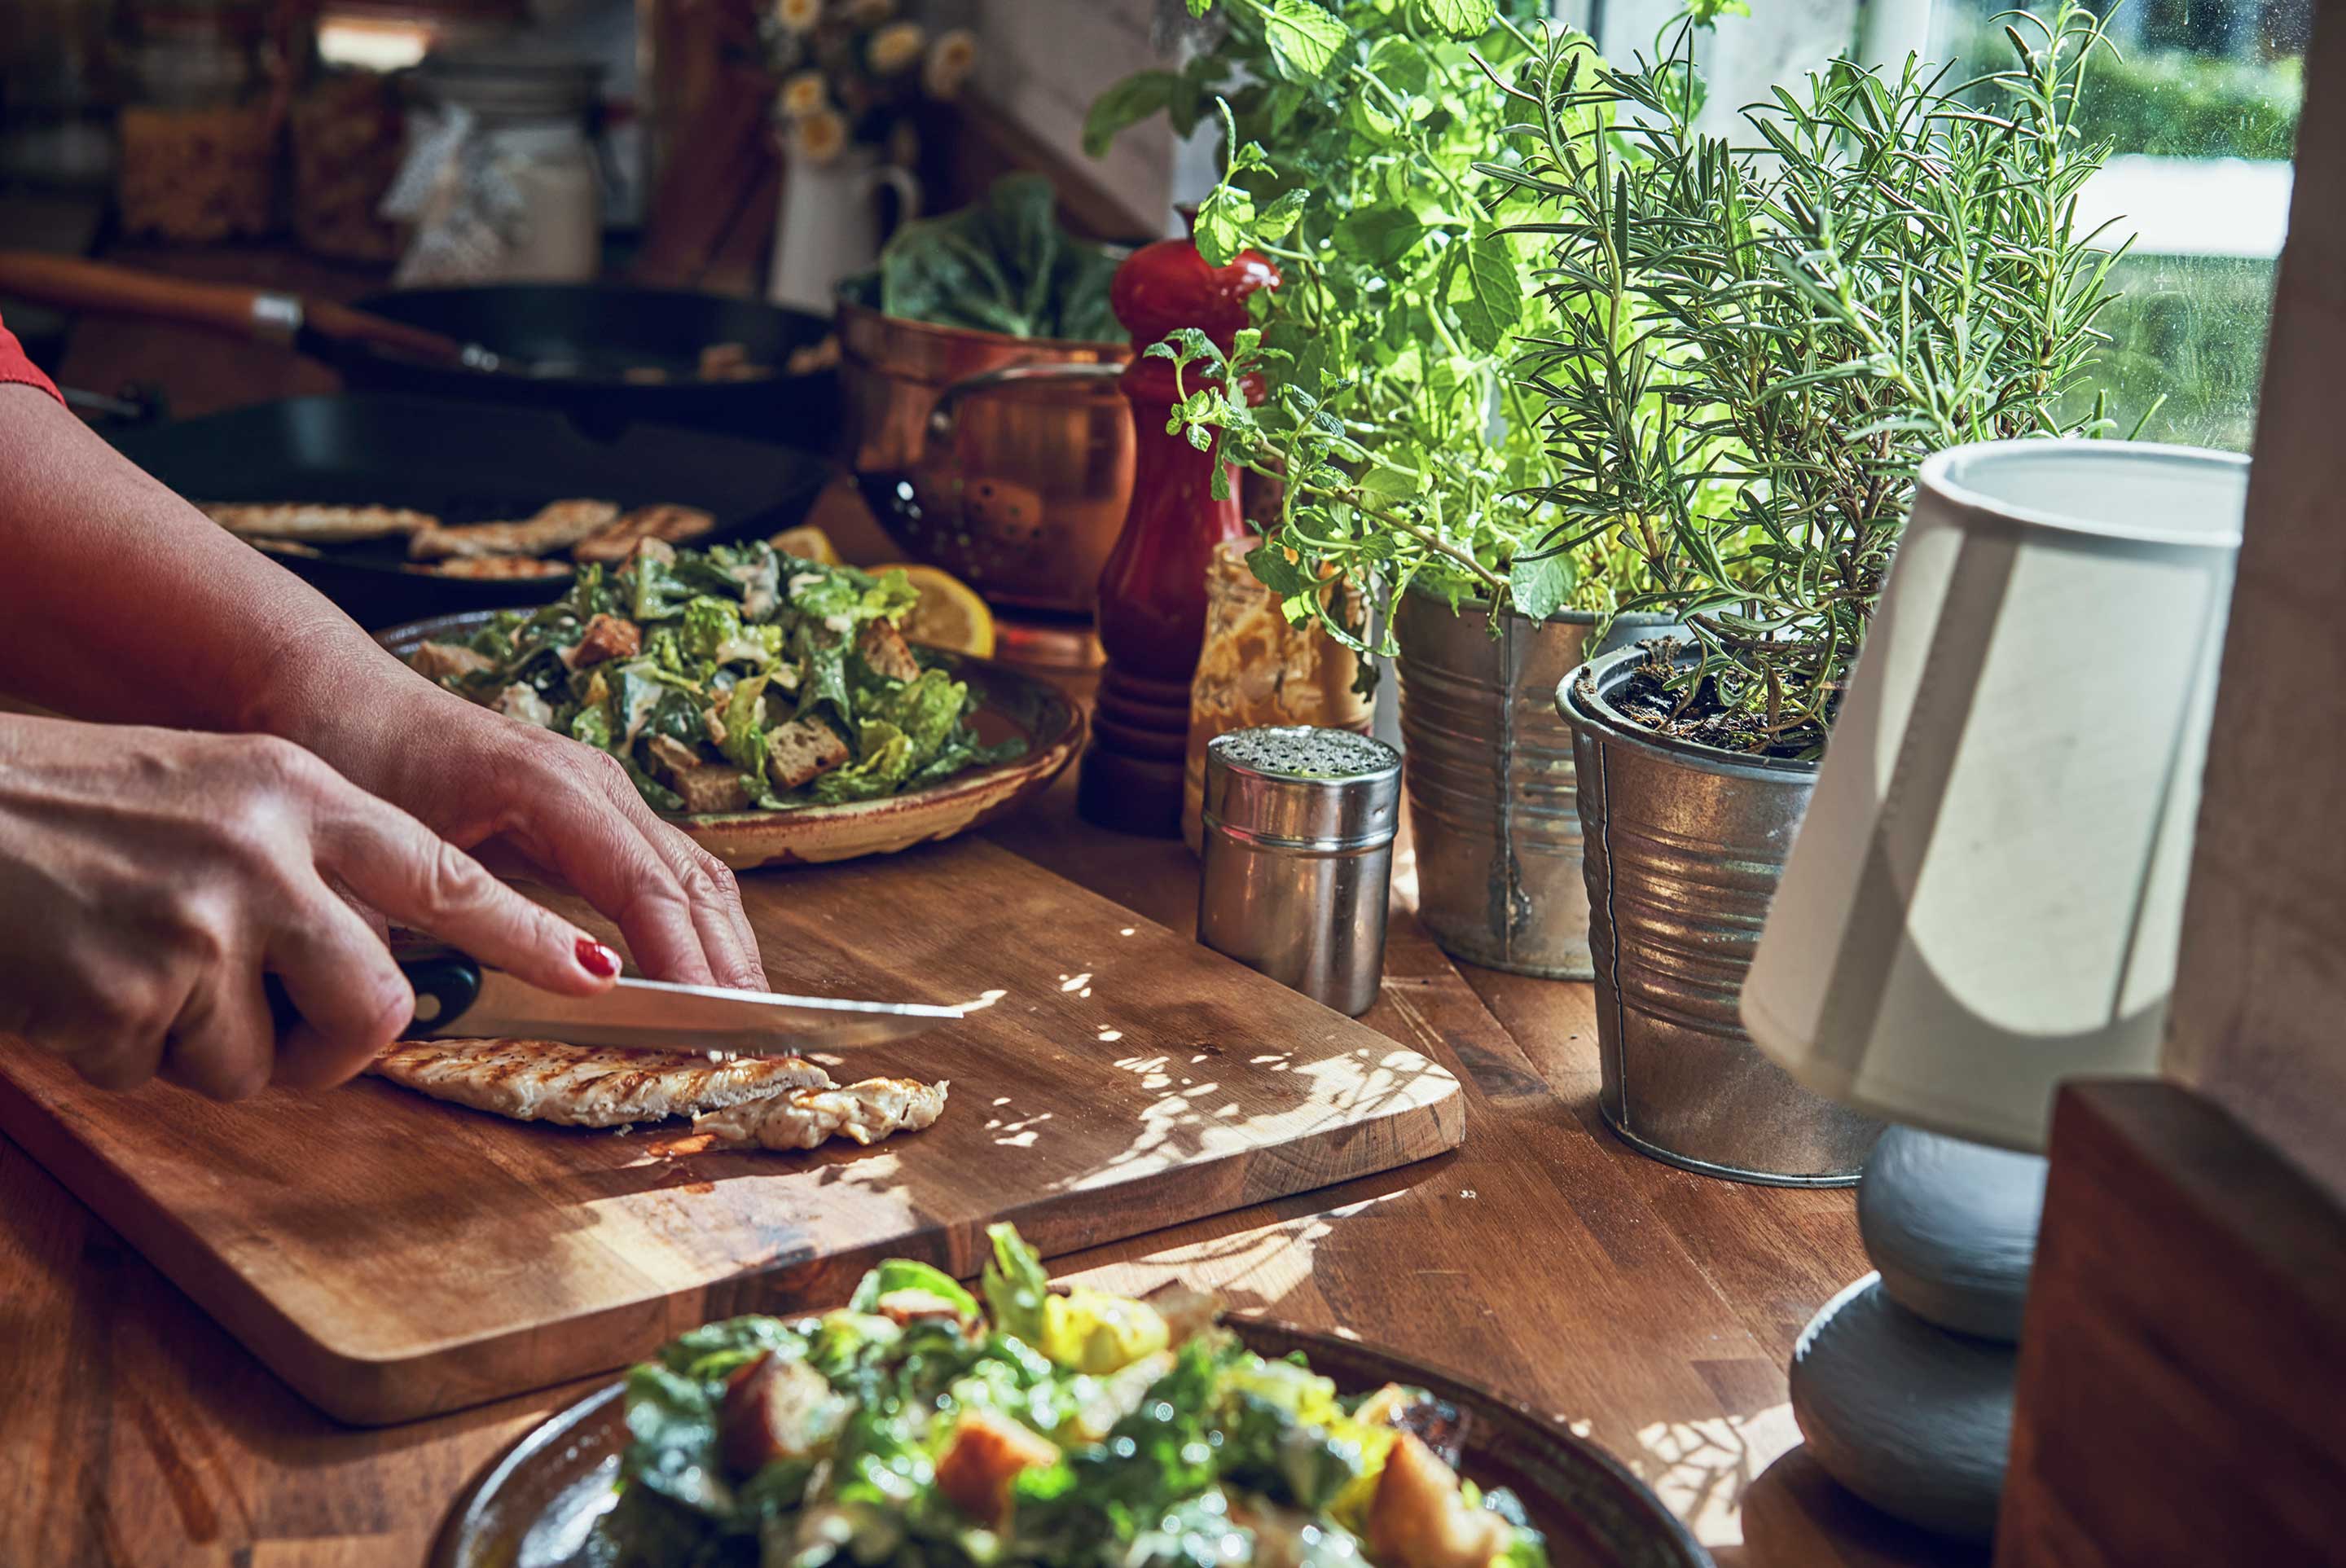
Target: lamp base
x=1902, y=1385
x=1914, y=1419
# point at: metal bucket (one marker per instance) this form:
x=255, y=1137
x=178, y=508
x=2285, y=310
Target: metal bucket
x=1490, y=781
x=1684, y=846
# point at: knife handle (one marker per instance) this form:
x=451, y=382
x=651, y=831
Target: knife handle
x=445, y=984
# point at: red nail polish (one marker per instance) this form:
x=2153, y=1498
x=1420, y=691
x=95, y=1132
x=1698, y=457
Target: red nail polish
x=595, y=959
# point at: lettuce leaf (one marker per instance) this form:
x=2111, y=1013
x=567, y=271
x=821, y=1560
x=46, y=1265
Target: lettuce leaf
x=906, y=1274
x=926, y=709
x=1015, y=1284
x=887, y=761
x=1001, y=265
x=710, y=623
x=745, y=725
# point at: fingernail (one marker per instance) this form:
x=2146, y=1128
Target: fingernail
x=595, y=959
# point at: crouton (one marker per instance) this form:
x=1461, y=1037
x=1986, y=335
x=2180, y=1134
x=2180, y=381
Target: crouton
x=1419, y=1520
x=713, y=786
x=1187, y=1313
x=983, y=1462
x=775, y=1409
x=801, y=749
x=911, y=1305
x=606, y=637
x=437, y=661
x=674, y=755
x=884, y=647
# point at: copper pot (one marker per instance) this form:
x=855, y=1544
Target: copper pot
x=1005, y=461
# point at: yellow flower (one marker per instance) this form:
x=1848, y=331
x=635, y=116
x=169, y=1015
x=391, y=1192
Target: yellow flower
x=894, y=47
x=951, y=59
x=819, y=136
x=803, y=94
x=870, y=13
x=798, y=16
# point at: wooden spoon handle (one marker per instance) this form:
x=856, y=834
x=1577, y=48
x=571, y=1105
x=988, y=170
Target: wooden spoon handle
x=69, y=282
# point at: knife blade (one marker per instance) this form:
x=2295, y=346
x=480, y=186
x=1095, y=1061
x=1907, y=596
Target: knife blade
x=458, y=997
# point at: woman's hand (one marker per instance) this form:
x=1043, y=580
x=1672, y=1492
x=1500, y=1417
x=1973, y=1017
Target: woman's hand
x=173, y=621
x=149, y=878
x=527, y=799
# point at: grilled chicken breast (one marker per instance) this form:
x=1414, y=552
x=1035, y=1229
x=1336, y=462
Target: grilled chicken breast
x=558, y=526
x=319, y=524
x=495, y=567
x=586, y=1085
x=617, y=540
x=801, y=1118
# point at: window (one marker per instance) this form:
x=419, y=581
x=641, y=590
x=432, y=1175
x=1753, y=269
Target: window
x=2200, y=104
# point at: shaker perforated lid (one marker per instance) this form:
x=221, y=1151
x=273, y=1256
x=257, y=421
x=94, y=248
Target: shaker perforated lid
x=1303, y=786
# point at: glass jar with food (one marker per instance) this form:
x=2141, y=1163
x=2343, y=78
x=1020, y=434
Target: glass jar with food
x=502, y=183
x=199, y=141
x=347, y=138
x=1254, y=669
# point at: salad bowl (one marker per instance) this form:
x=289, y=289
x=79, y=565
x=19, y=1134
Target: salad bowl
x=538, y=1505
x=1012, y=704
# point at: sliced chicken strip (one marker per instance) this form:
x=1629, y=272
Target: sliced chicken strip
x=557, y=526
x=586, y=1085
x=802, y=1118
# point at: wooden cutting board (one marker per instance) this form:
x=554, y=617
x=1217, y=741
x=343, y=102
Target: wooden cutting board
x=393, y=1256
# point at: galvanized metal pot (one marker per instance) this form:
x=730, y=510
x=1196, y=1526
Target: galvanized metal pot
x=1490, y=780
x=1684, y=847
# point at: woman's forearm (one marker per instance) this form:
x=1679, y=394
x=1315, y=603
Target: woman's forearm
x=123, y=602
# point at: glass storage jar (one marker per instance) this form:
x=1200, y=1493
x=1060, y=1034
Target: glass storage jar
x=523, y=162
x=199, y=139
x=1254, y=669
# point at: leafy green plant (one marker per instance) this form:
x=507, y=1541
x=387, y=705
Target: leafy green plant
x=1408, y=452
x=1751, y=349
x=1001, y=265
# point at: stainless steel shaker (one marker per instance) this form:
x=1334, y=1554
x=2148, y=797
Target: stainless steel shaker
x=1298, y=831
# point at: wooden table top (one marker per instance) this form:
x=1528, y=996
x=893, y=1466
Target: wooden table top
x=1653, y=1308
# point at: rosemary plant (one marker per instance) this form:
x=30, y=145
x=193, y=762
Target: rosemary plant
x=1751, y=348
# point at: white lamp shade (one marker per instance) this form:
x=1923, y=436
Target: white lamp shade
x=1986, y=895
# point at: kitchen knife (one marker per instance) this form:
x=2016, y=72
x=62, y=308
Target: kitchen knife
x=456, y=996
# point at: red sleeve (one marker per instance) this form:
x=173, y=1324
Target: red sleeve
x=16, y=367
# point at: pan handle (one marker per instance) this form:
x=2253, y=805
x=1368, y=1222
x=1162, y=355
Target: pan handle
x=947, y=411
x=71, y=283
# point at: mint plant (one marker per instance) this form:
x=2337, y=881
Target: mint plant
x=1356, y=137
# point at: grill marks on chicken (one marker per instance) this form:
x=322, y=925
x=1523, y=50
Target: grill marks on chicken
x=768, y=1102
x=557, y=526
x=585, y=1085
x=318, y=524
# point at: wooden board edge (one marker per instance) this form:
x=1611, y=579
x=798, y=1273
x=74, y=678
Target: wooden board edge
x=365, y=1390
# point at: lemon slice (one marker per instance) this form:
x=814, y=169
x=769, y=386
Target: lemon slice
x=807, y=543
x=950, y=614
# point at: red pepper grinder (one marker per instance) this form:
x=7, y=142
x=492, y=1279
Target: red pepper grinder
x=1152, y=592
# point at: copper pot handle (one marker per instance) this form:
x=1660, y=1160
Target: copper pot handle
x=947, y=410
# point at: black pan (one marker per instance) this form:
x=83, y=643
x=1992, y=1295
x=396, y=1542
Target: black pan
x=462, y=463
x=581, y=338
x=552, y=345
